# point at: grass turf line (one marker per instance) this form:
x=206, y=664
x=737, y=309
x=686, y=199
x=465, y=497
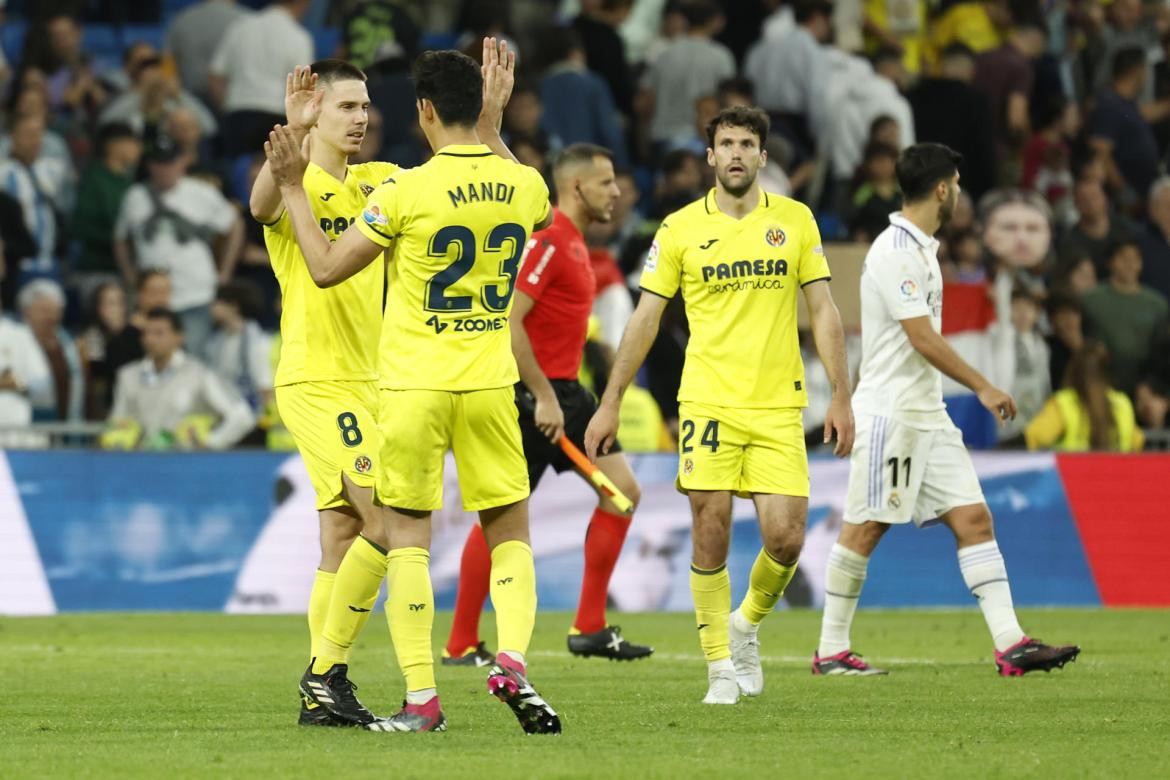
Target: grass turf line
x=185, y=695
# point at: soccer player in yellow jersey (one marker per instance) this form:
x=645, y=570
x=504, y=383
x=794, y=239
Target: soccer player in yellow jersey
x=739, y=255
x=325, y=380
x=457, y=227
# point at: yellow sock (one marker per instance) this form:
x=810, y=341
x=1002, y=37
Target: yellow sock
x=513, y=590
x=319, y=608
x=355, y=588
x=767, y=584
x=410, y=610
x=711, y=590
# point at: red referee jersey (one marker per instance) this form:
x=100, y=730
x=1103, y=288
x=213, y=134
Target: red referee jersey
x=557, y=274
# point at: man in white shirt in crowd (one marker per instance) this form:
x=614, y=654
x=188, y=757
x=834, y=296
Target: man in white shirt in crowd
x=40, y=184
x=169, y=397
x=909, y=462
x=194, y=35
x=249, y=69
x=24, y=375
x=185, y=227
x=240, y=352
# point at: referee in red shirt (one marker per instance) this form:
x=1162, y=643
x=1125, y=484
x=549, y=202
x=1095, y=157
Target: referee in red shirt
x=554, y=297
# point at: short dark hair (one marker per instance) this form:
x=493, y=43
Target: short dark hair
x=748, y=117
x=331, y=70
x=958, y=50
x=677, y=159
x=1127, y=60
x=452, y=82
x=1063, y=302
x=875, y=149
x=807, y=10
x=244, y=295
x=580, y=153
x=699, y=13
x=168, y=315
x=737, y=85
x=1123, y=243
x=922, y=166
x=149, y=274
x=113, y=131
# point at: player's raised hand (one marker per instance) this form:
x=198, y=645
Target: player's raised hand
x=499, y=76
x=839, y=420
x=999, y=403
x=602, y=431
x=550, y=418
x=302, y=98
x=288, y=156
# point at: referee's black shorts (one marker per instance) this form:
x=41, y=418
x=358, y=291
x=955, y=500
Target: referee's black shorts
x=578, y=406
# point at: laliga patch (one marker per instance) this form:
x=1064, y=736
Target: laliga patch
x=909, y=289
x=775, y=237
x=374, y=216
x=362, y=464
x=652, y=258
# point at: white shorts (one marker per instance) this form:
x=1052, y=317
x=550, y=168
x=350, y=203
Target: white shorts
x=898, y=473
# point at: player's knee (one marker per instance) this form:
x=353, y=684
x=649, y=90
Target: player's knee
x=973, y=526
x=785, y=547
x=633, y=492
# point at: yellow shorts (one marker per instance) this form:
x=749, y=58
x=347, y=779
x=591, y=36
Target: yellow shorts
x=334, y=427
x=742, y=450
x=419, y=426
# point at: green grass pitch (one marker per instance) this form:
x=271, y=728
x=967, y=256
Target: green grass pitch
x=185, y=695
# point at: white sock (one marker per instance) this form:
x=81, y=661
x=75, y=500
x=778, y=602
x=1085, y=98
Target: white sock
x=743, y=625
x=722, y=666
x=421, y=697
x=844, y=577
x=986, y=577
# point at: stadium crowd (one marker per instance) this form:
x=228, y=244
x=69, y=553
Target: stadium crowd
x=137, y=290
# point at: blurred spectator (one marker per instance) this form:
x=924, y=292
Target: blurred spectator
x=249, y=69
x=1126, y=316
x=1088, y=414
x=16, y=243
x=154, y=94
x=691, y=66
x=975, y=24
x=949, y=110
x=576, y=102
x=1155, y=239
x=182, y=128
x=192, y=38
x=1096, y=231
x=860, y=97
x=154, y=292
x=1031, y=382
x=706, y=108
x=682, y=182
x=1119, y=131
x=605, y=52
x=899, y=27
x=42, y=307
x=54, y=48
x=122, y=79
x=523, y=117
x=965, y=264
x=378, y=30
x=1066, y=320
x=32, y=101
x=1124, y=28
x=790, y=73
x=170, y=398
x=24, y=375
x=39, y=186
x=99, y=197
x=532, y=151
x=1152, y=403
x=1005, y=75
x=239, y=349
x=172, y=221
x=1074, y=277
x=877, y=196
x=1047, y=163
x=107, y=320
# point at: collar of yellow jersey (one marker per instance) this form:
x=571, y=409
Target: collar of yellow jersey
x=713, y=208
x=465, y=150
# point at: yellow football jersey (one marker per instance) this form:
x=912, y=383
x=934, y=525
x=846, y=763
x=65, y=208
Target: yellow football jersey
x=739, y=282
x=328, y=334
x=458, y=224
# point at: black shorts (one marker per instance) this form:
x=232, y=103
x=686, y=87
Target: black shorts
x=578, y=406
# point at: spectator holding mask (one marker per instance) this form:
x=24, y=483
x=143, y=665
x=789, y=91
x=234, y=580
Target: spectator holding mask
x=1018, y=235
x=183, y=226
x=1088, y=414
x=42, y=306
x=170, y=399
x=107, y=321
x=1128, y=317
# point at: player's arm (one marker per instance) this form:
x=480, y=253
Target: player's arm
x=829, y=334
x=636, y=342
x=329, y=263
x=549, y=416
x=230, y=244
x=302, y=106
x=932, y=346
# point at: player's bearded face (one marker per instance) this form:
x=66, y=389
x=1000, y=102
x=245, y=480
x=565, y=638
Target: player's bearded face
x=737, y=159
x=950, y=203
x=344, y=115
x=599, y=190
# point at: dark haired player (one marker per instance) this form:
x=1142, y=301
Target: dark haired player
x=550, y=317
x=457, y=226
x=739, y=255
x=909, y=462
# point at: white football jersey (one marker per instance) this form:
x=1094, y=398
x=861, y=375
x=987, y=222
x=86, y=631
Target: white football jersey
x=900, y=280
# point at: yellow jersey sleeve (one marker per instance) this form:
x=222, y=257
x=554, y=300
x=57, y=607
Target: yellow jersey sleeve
x=377, y=172
x=379, y=220
x=813, y=265
x=662, y=271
